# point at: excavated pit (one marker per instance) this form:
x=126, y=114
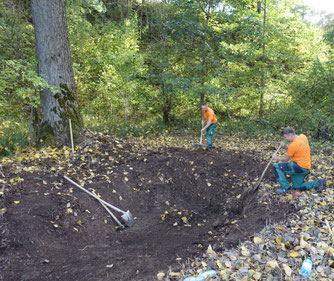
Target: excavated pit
x=182, y=201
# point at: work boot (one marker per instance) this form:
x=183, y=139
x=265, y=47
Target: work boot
x=281, y=190
x=322, y=185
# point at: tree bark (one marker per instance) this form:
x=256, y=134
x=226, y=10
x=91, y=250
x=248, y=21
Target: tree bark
x=59, y=102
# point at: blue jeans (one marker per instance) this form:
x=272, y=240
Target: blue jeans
x=297, y=173
x=209, y=134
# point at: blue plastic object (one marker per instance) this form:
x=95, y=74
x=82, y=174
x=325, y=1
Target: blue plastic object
x=306, y=267
x=202, y=276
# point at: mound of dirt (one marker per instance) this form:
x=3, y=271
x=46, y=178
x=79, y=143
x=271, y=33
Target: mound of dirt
x=182, y=201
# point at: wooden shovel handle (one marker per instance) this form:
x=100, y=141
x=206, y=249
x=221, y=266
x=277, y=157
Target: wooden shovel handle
x=269, y=164
x=95, y=196
x=112, y=215
x=200, y=140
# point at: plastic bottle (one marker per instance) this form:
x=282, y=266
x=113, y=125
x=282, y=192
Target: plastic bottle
x=306, y=267
x=206, y=274
x=191, y=278
x=202, y=276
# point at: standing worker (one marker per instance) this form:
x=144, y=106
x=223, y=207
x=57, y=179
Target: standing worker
x=211, y=124
x=300, y=153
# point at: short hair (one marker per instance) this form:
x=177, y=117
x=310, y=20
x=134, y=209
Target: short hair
x=204, y=104
x=288, y=130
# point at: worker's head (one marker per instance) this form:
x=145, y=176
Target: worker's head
x=204, y=107
x=289, y=134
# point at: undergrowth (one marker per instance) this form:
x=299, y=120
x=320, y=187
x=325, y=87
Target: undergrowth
x=15, y=134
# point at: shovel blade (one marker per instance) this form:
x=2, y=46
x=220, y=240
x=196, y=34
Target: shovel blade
x=128, y=219
x=199, y=144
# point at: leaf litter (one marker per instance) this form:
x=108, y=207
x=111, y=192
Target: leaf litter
x=188, y=206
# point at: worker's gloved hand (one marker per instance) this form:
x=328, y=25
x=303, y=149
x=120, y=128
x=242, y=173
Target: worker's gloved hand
x=283, y=144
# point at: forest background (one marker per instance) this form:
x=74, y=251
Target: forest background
x=143, y=67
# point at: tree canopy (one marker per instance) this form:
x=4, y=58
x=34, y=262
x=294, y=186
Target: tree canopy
x=142, y=66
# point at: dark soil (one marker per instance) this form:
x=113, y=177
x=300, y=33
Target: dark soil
x=182, y=200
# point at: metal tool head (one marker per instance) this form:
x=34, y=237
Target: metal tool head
x=127, y=218
x=199, y=144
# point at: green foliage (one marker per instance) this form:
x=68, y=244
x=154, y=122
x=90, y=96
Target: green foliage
x=18, y=78
x=16, y=33
x=249, y=128
x=290, y=45
x=189, y=50
x=108, y=66
x=13, y=134
x=143, y=68
x=97, y=5
x=311, y=105
x=19, y=84
x=148, y=127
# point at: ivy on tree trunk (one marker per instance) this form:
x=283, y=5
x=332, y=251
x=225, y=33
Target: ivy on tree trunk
x=59, y=102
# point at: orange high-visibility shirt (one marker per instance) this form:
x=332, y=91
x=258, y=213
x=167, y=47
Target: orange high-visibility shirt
x=209, y=115
x=300, y=152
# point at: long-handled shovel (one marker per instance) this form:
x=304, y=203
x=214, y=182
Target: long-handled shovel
x=259, y=181
x=249, y=196
x=112, y=215
x=126, y=216
x=200, y=140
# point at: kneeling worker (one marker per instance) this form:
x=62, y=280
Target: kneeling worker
x=300, y=153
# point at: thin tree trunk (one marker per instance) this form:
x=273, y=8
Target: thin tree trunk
x=126, y=108
x=261, y=110
x=203, y=62
x=141, y=18
x=167, y=106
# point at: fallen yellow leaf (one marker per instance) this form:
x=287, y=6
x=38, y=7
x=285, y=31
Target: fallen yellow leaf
x=279, y=240
x=184, y=219
x=160, y=275
x=175, y=274
x=257, y=240
x=294, y=254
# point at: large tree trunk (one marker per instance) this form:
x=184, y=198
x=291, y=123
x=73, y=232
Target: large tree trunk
x=55, y=65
